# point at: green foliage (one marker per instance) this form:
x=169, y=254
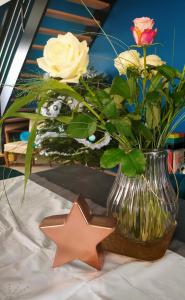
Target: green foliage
x=65, y=150
x=133, y=163
x=137, y=111
x=81, y=126
x=29, y=152
x=153, y=116
x=18, y=104
x=124, y=127
x=168, y=72
x=120, y=87
x=142, y=131
x=111, y=158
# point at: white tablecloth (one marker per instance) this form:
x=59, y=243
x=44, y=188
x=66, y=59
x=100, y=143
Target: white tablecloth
x=26, y=258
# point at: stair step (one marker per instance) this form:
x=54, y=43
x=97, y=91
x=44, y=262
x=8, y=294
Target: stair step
x=37, y=47
x=95, y=4
x=71, y=17
x=31, y=62
x=14, y=120
x=54, y=32
x=29, y=75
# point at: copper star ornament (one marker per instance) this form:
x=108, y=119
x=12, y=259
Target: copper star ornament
x=78, y=234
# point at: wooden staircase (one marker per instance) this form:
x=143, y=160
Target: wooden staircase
x=60, y=17
x=28, y=26
x=62, y=20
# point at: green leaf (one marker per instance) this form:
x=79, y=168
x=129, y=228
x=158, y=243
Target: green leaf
x=120, y=87
x=111, y=158
x=110, y=110
x=93, y=100
x=81, y=126
x=110, y=127
x=155, y=82
x=64, y=119
x=132, y=72
x=133, y=163
x=29, y=153
x=134, y=116
x=124, y=127
x=117, y=99
x=30, y=116
x=169, y=72
x=144, y=131
x=153, y=97
x=58, y=87
x=19, y=103
x=153, y=116
x=41, y=102
x=133, y=90
x=108, y=106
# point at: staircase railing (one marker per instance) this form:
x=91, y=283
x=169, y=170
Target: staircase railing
x=21, y=24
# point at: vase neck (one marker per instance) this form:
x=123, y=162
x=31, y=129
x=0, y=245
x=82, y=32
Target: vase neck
x=156, y=163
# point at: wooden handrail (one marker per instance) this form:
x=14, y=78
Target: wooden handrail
x=70, y=17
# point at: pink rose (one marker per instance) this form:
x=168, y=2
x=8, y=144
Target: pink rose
x=143, y=23
x=143, y=32
x=147, y=36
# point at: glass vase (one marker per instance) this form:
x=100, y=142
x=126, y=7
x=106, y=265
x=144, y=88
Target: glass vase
x=146, y=205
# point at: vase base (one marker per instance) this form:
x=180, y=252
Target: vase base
x=149, y=250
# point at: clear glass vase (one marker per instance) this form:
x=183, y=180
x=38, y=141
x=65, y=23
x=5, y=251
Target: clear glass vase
x=145, y=206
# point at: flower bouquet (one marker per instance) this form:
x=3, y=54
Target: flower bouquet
x=137, y=111
x=51, y=136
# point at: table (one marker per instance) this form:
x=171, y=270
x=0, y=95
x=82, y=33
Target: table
x=26, y=257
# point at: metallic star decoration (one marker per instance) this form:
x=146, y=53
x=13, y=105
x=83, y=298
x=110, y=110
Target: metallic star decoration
x=78, y=235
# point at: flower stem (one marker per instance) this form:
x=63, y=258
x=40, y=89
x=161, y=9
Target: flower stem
x=145, y=73
x=89, y=107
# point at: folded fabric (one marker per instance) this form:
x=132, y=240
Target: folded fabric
x=26, y=257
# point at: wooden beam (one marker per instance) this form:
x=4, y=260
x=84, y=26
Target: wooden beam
x=54, y=32
x=71, y=17
x=95, y=4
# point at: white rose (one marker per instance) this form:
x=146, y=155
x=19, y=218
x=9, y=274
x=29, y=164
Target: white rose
x=152, y=60
x=65, y=57
x=127, y=59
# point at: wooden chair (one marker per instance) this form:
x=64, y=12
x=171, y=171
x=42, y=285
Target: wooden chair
x=17, y=148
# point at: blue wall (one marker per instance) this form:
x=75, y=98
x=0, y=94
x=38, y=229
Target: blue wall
x=169, y=16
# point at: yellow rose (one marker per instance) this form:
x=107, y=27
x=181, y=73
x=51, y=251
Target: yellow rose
x=65, y=57
x=153, y=60
x=127, y=59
